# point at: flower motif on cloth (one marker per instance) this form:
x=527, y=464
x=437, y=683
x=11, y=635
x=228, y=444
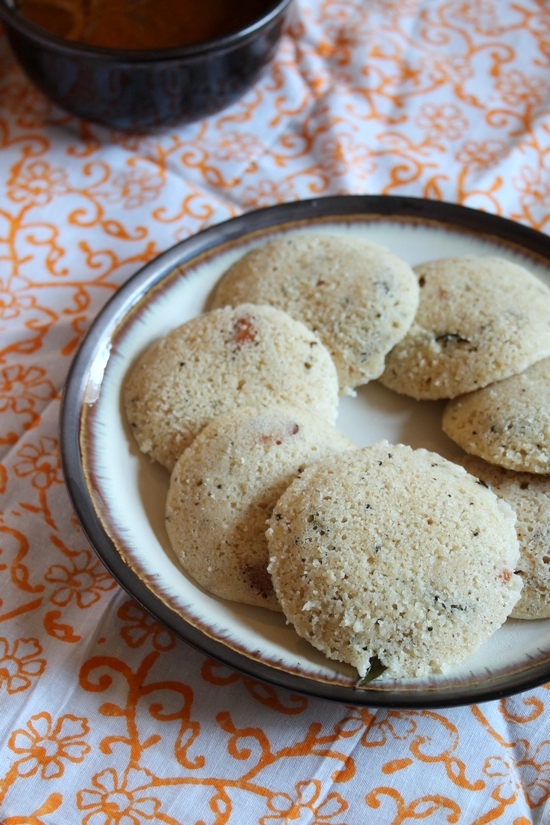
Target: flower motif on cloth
x=479, y=156
x=139, y=627
x=136, y=186
x=23, y=391
x=83, y=579
x=537, y=762
x=120, y=800
x=37, y=184
x=44, y=746
x=20, y=664
x=519, y=90
x=15, y=299
x=442, y=122
x=307, y=806
x=40, y=462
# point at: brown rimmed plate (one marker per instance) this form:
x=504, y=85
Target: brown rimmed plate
x=119, y=495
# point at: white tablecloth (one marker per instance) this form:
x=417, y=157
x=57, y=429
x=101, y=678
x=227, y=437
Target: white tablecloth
x=106, y=718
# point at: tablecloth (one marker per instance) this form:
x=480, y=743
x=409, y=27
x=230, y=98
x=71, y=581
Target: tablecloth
x=106, y=718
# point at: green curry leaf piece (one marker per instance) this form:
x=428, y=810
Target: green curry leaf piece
x=375, y=670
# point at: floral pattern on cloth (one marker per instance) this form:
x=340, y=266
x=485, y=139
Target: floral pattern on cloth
x=107, y=718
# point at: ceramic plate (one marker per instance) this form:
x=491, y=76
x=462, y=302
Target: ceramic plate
x=119, y=495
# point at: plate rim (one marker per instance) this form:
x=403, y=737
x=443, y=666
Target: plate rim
x=442, y=214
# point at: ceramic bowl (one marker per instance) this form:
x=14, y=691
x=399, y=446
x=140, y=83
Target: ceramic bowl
x=144, y=90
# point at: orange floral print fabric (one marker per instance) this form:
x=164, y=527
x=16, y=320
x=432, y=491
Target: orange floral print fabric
x=107, y=719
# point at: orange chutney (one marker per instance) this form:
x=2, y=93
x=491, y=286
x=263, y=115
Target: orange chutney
x=141, y=24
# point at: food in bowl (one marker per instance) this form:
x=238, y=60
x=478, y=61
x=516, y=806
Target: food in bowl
x=140, y=24
x=145, y=88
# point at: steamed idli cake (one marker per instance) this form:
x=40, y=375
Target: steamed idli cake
x=223, y=489
x=479, y=320
x=393, y=553
x=529, y=497
x=357, y=296
x=507, y=423
x=247, y=356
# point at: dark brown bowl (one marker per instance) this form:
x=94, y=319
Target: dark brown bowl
x=144, y=90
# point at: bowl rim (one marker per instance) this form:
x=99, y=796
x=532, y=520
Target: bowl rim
x=11, y=18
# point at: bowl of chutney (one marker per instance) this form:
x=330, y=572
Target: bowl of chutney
x=144, y=65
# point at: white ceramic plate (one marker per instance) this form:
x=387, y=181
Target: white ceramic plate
x=119, y=496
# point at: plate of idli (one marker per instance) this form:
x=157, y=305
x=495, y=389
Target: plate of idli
x=312, y=441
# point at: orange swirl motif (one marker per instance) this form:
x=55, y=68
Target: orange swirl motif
x=447, y=99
